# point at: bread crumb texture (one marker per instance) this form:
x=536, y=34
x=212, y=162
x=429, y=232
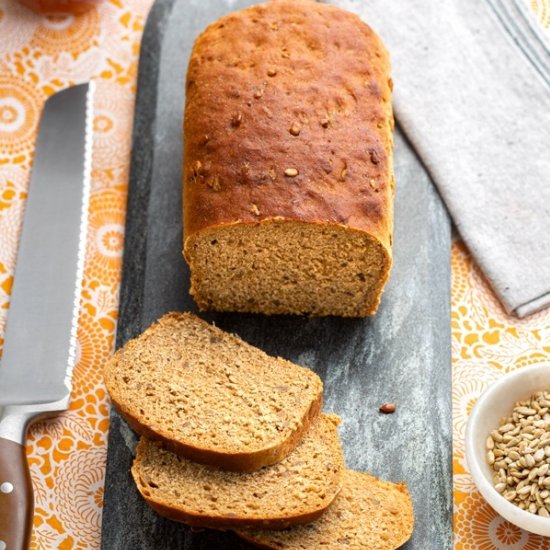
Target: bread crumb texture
x=288, y=178
x=280, y=267
x=210, y=395
x=368, y=514
x=297, y=489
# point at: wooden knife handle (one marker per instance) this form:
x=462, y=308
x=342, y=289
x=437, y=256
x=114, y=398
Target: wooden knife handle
x=16, y=498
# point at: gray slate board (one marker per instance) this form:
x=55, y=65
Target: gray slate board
x=400, y=355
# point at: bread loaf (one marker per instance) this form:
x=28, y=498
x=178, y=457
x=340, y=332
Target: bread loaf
x=296, y=490
x=368, y=514
x=288, y=180
x=211, y=397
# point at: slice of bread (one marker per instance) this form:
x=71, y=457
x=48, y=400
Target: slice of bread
x=210, y=397
x=368, y=514
x=296, y=490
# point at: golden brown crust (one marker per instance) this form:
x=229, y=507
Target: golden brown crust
x=289, y=86
x=202, y=522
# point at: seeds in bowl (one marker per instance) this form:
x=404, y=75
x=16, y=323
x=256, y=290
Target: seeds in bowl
x=518, y=452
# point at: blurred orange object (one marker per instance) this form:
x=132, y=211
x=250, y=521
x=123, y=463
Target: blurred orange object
x=60, y=6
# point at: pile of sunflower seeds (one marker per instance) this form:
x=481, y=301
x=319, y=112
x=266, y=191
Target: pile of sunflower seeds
x=519, y=454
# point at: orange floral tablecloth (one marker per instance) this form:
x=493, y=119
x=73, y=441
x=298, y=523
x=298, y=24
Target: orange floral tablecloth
x=40, y=55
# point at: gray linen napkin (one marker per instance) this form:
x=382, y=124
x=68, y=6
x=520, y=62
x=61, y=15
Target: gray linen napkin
x=472, y=94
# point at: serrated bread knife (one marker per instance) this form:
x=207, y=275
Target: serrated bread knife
x=40, y=338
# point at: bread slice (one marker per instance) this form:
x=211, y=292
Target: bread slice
x=211, y=397
x=368, y=514
x=296, y=490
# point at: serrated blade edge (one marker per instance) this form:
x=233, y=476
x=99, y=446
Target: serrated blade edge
x=83, y=232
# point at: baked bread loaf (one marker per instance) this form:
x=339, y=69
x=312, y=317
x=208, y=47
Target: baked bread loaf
x=288, y=179
x=368, y=514
x=211, y=397
x=296, y=490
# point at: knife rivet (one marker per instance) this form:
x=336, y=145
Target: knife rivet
x=3, y=545
x=6, y=488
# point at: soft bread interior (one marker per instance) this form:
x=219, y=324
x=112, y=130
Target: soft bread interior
x=287, y=267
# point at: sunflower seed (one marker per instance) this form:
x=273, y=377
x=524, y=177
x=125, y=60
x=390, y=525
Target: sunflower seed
x=525, y=411
x=539, y=455
x=506, y=428
x=518, y=452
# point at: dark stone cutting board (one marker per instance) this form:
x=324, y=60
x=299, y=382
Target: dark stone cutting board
x=400, y=355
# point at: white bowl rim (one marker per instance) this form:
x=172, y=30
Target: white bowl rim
x=514, y=514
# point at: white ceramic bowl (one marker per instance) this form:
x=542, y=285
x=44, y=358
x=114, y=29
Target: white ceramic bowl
x=496, y=402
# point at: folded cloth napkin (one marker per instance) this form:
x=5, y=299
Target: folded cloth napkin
x=472, y=94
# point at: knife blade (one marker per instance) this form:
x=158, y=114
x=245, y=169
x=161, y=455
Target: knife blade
x=40, y=337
